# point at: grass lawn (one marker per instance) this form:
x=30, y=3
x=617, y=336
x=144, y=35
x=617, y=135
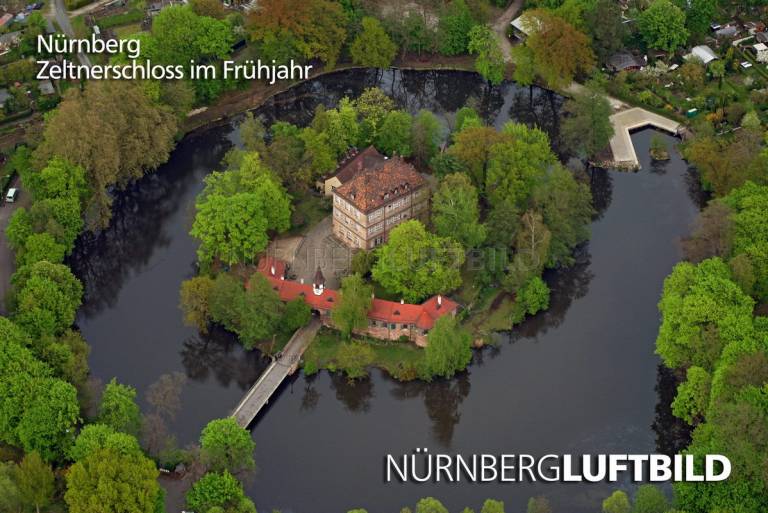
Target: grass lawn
x=127, y=30
x=329, y=351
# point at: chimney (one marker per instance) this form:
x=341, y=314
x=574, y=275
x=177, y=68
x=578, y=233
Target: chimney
x=301, y=281
x=402, y=301
x=282, y=278
x=272, y=270
x=439, y=301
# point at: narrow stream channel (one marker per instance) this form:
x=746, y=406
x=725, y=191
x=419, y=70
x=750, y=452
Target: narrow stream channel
x=580, y=378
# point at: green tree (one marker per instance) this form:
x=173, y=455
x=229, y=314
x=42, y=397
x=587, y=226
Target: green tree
x=297, y=314
x=195, y=297
x=38, y=247
x=489, y=61
x=95, y=437
x=354, y=358
x=19, y=229
x=355, y=300
x=47, y=298
x=311, y=28
x=220, y=491
x=449, y=348
x=474, y=147
x=559, y=51
x=453, y=28
x=618, y=502
x=109, y=482
x=259, y=311
x=701, y=309
x=10, y=499
x=372, y=106
x=430, y=505
x=372, y=47
x=566, y=207
x=698, y=15
x=692, y=397
x=533, y=296
x=662, y=26
x=492, y=506
x=588, y=128
x=35, y=481
x=394, y=135
x=455, y=211
x=231, y=228
x=532, y=250
x=417, y=264
x=118, y=408
x=650, y=499
x=225, y=446
x=605, y=25
x=115, y=132
x=425, y=136
x=50, y=416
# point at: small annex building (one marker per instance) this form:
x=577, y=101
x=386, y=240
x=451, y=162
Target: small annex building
x=703, y=53
x=387, y=320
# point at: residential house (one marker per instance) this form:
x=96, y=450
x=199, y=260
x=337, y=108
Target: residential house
x=370, y=205
x=354, y=162
x=760, y=50
x=387, y=320
x=6, y=19
x=624, y=61
x=523, y=25
x=703, y=53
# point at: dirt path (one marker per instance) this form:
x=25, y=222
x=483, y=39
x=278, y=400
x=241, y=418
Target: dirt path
x=501, y=25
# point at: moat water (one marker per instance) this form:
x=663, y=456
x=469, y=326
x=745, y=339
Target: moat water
x=580, y=378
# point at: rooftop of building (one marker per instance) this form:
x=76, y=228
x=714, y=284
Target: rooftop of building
x=423, y=316
x=374, y=187
x=355, y=161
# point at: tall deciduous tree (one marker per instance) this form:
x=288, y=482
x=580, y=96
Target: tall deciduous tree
x=195, y=298
x=489, y=61
x=394, y=135
x=372, y=47
x=107, y=481
x=417, y=264
x=618, y=502
x=559, y=51
x=314, y=28
x=225, y=446
x=425, y=136
x=35, y=481
x=355, y=299
x=219, y=492
x=118, y=408
x=588, y=128
x=455, y=211
x=453, y=28
x=662, y=26
x=115, y=132
x=449, y=348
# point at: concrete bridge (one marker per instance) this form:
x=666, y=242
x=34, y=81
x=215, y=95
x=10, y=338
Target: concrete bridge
x=631, y=119
x=280, y=368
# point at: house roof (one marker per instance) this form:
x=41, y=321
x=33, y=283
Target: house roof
x=10, y=38
x=760, y=47
x=704, y=53
x=624, y=60
x=5, y=18
x=525, y=23
x=357, y=161
x=423, y=316
x=727, y=31
x=761, y=37
x=46, y=87
x=374, y=187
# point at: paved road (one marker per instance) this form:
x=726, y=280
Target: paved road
x=501, y=25
x=59, y=13
x=259, y=394
x=7, y=259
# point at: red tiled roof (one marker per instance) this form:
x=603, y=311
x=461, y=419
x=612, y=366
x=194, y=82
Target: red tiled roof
x=369, y=158
x=423, y=315
x=374, y=187
x=268, y=263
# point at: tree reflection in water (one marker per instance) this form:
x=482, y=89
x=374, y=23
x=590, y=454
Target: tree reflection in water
x=218, y=353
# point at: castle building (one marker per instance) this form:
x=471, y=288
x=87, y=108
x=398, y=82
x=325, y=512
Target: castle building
x=388, y=320
x=376, y=199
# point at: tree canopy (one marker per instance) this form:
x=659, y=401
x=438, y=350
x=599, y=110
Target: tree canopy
x=662, y=26
x=449, y=348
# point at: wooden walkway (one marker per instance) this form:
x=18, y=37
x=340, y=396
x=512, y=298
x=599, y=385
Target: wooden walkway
x=631, y=119
x=280, y=368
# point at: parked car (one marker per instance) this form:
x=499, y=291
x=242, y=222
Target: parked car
x=12, y=194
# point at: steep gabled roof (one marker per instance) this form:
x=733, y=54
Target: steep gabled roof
x=374, y=187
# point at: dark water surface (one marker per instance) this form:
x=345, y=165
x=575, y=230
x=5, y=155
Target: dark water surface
x=580, y=378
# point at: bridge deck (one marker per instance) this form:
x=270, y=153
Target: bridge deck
x=623, y=122
x=278, y=370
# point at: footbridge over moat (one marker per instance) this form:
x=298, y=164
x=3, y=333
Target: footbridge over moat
x=280, y=368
